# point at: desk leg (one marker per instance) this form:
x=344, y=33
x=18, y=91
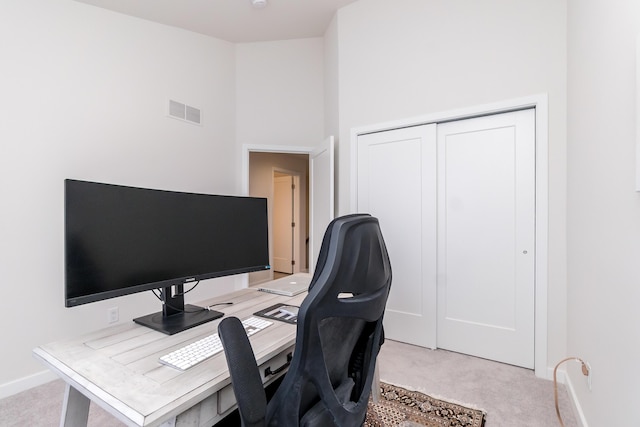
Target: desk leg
x=75, y=408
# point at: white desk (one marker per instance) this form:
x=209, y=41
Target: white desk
x=118, y=368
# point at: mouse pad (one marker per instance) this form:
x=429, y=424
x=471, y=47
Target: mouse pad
x=282, y=312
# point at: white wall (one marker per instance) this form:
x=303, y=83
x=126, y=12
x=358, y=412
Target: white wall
x=331, y=81
x=280, y=92
x=410, y=58
x=603, y=208
x=84, y=95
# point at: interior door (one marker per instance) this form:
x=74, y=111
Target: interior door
x=282, y=224
x=397, y=184
x=486, y=231
x=321, y=196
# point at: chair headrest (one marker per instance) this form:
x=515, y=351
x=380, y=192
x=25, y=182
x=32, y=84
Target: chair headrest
x=353, y=260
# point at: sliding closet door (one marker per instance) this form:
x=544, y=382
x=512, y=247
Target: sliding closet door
x=397, y=184
x=486, y=231
x=456, y=203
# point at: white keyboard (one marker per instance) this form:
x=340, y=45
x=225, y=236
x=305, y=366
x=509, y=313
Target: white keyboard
x=196, y=352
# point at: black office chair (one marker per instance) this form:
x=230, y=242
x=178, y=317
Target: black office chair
x=339, y=334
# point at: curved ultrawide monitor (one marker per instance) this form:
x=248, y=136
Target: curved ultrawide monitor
x=120, y=240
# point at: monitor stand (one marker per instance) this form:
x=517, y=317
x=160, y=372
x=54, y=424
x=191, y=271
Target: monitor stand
x=175, y=315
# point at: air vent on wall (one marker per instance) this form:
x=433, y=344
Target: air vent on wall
x=184, y=112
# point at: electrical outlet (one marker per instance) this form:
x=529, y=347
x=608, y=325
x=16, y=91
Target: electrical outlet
x=589, y=375
x=113, y=315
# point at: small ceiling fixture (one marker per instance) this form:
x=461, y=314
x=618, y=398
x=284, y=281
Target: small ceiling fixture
x=259, y=4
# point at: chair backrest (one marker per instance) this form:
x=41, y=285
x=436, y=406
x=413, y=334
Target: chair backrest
x=339, y=330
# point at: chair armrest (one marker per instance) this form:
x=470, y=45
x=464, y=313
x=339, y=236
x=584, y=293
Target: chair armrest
x=245, y=377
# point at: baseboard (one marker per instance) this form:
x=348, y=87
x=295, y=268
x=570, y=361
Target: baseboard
x=563, y=378
x=25, y=383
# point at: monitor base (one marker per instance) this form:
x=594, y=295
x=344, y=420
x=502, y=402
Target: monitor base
x=172, y=324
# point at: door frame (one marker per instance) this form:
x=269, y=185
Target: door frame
x=540, y=104
x=247, y=149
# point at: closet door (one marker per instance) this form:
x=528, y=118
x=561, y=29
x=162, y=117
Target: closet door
x=486, y=231
x=397, y=184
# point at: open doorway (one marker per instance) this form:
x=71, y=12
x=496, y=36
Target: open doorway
x=283, y=178
x=316, y=210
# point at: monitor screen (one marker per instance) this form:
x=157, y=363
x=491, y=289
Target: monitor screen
x=120, y=240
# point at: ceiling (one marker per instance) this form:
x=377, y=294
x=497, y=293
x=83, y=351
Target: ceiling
x=234, y=20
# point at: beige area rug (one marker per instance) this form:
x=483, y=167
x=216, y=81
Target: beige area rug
x=398, y=406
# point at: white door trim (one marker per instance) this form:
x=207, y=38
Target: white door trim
x=280, y=149
x=540, y=103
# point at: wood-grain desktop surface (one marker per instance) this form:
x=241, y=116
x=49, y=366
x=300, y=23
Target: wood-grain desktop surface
x=118, y=367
